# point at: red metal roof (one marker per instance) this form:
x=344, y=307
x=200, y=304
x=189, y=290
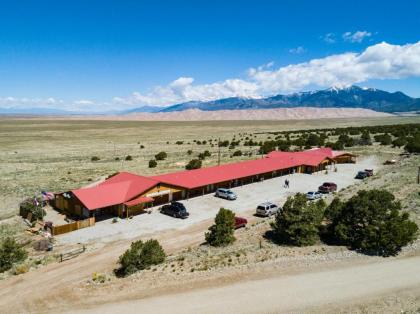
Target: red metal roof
x=311, y=157
x=139, y=200
x=276, y=161
x=200, y=177
x=116, y=190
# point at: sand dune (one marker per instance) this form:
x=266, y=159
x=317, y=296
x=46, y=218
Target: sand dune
x=260, y=114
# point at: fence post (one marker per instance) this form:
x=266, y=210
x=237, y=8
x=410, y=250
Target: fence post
x=61, y=257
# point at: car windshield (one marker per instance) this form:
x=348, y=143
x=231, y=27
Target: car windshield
x=310, y=193
x=261, y=207
x=229, y=192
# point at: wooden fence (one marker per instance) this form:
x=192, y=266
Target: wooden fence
x=79, y=224
x=70, y=254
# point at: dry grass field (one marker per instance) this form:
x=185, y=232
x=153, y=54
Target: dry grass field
x=55, y=155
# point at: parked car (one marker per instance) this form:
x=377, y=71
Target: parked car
x=311, y=196
x=369, y=172
x=175, y=209
x=327, y=187
x=240, y=222
x=362, y=175
x=267, y=209
x=226, y=193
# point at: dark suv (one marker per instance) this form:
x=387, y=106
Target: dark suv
x=361, y=175
x=175, y=209
x=327, y=187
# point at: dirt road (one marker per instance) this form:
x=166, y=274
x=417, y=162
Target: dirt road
x=57, y=283
x=295, y=293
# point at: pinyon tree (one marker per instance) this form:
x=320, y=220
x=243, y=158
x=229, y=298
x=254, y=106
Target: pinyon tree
x=221, y=233
x=10, y=253
x=371, y=222
x=299, y=221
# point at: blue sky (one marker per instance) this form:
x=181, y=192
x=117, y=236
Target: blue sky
x=101, y=55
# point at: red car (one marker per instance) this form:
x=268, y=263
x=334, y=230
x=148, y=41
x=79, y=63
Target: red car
x=327, y=187
x=240, y=222
x=369, y=172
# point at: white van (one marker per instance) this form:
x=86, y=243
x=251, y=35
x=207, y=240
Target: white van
x=226, y=193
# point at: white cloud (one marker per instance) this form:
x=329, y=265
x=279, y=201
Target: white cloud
x=182, y=90
x=84, y=102
x=329, y=38
x=297, y=50
x=356, y=37
x=14, y=102
x=381, y=61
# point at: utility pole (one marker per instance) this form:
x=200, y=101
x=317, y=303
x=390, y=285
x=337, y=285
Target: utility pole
x=418, y=176
x=218, y=154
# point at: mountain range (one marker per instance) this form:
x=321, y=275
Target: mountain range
x=334, y=97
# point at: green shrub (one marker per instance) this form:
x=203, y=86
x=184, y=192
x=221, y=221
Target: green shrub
x=204, y=154
x=98, y=277
x=11, y=253
x=399, y=142
x=299, y=221
x=128, y=158
x=179, y=142
x=365, y=138
x=237, y=153
x=413, y=144
x=141, y=256
x=193, y=164
x=189, y=152
x=161, y=156
x=224, y=143
x=313, y=140
x=95, y=158
x=371, y=222
x=384, y=139
x=20, y=269
x=221, y=233
x=152, y=163
x=28, y=206
x=267, y=147
x=338, y=145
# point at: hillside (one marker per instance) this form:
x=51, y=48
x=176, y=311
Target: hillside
x=348, y=97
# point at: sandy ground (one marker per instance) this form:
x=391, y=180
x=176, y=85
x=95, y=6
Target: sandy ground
x=295, y=293
x=204, y=208
x=299, y=113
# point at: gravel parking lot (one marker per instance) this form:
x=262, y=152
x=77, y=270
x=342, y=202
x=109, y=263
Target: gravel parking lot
x=205, y=207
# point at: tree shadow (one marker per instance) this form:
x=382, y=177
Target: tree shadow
x=271, y=236
x=119, y=272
